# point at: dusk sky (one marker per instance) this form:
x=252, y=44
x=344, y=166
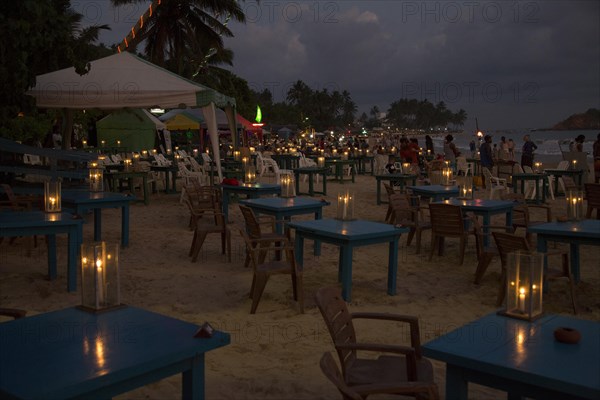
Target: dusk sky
x=513, y=65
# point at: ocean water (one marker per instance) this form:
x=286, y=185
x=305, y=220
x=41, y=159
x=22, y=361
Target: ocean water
x=550, y=143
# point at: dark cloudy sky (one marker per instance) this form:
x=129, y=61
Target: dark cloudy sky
x=511, y=64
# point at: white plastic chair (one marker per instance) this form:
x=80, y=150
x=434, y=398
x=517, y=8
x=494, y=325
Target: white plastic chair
x=493, y=183
x=308, y=163
x=32, y=159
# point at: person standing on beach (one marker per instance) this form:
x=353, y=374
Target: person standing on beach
x=429, y=145
x=597, y=159
x=450, y=150
x=503, y=153
x=486, y=157
x=528, y=149
x=578, y=147
x=511, y=150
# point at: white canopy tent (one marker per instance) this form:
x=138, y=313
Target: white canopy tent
x=124, y=80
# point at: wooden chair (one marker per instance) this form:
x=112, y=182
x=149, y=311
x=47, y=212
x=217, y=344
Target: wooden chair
x=447, y=220
x=509, y=242
x=360, y=392
x=522, y=213
x=254, y=229
x=198, y=198
x=406, y=369
x=405, y=214
x=263, y=269
x=592, y=194
x=389, y=217
x=212, y=220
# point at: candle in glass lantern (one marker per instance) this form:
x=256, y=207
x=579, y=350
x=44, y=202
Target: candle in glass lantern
x=118, y=143
x=574, y=164
x=345, y=210
x=100, y=284
x=447, y=175
x=102, y=142
x=236, y=155
x=321, y=162
x=574, y=206
x=84, y=142
x=52, y=196
x=287, y=186
x=537, y=167
x=245, y=162
x=127, y=164
x=522, y=296
x=405, y=168
x=144, y=153
x=96, y=177
x=334, y=152
x=250, y=174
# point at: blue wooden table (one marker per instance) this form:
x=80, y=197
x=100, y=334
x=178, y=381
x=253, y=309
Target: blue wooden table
x=435, y=192
x=575, y=233
x=485, y=208
x=82, y=200
x=29, y=223
x=284, y=208
x=521, y=358
x=537, y=179
x=170, y=172
x=311, y=171
x=251, y=190
x=338, y=167
x=348, y=235
x=395, y=180
x=76, y=354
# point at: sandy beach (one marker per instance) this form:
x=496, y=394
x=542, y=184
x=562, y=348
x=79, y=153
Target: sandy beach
x=275, y=353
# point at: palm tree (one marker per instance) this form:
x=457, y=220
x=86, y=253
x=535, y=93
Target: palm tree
x=179, y=26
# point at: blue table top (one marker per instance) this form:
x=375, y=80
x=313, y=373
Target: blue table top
x=525, y=351
x=282, y=203
x=395, y=175
x=349, y=230
x=479, y=204
x=253, y=187
x=24, y=219
x=70, y=352
x=86, y=196
x=587, y=228
x=435, y=189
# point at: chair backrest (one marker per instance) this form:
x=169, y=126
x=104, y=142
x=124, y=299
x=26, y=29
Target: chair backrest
x=10, y=195
x=592, y=194
x=332, y=372
x=527, y=169
x=570, y=184
x=563, y=165
x=403, y=211
x=339, y=322
x=446, y=219
x=508, y=243
x=252, y=225
x=487, y=175
x=461, y=165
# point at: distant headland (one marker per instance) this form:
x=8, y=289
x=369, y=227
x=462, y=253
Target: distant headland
x=587, y=120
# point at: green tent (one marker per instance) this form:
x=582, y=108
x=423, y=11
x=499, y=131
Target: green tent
x=134, y=128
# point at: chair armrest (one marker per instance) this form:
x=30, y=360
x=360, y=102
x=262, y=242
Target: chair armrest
x=408, y=387
x=385, y=316
x=378, y=347
x=409, y=352
x=13, y=312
